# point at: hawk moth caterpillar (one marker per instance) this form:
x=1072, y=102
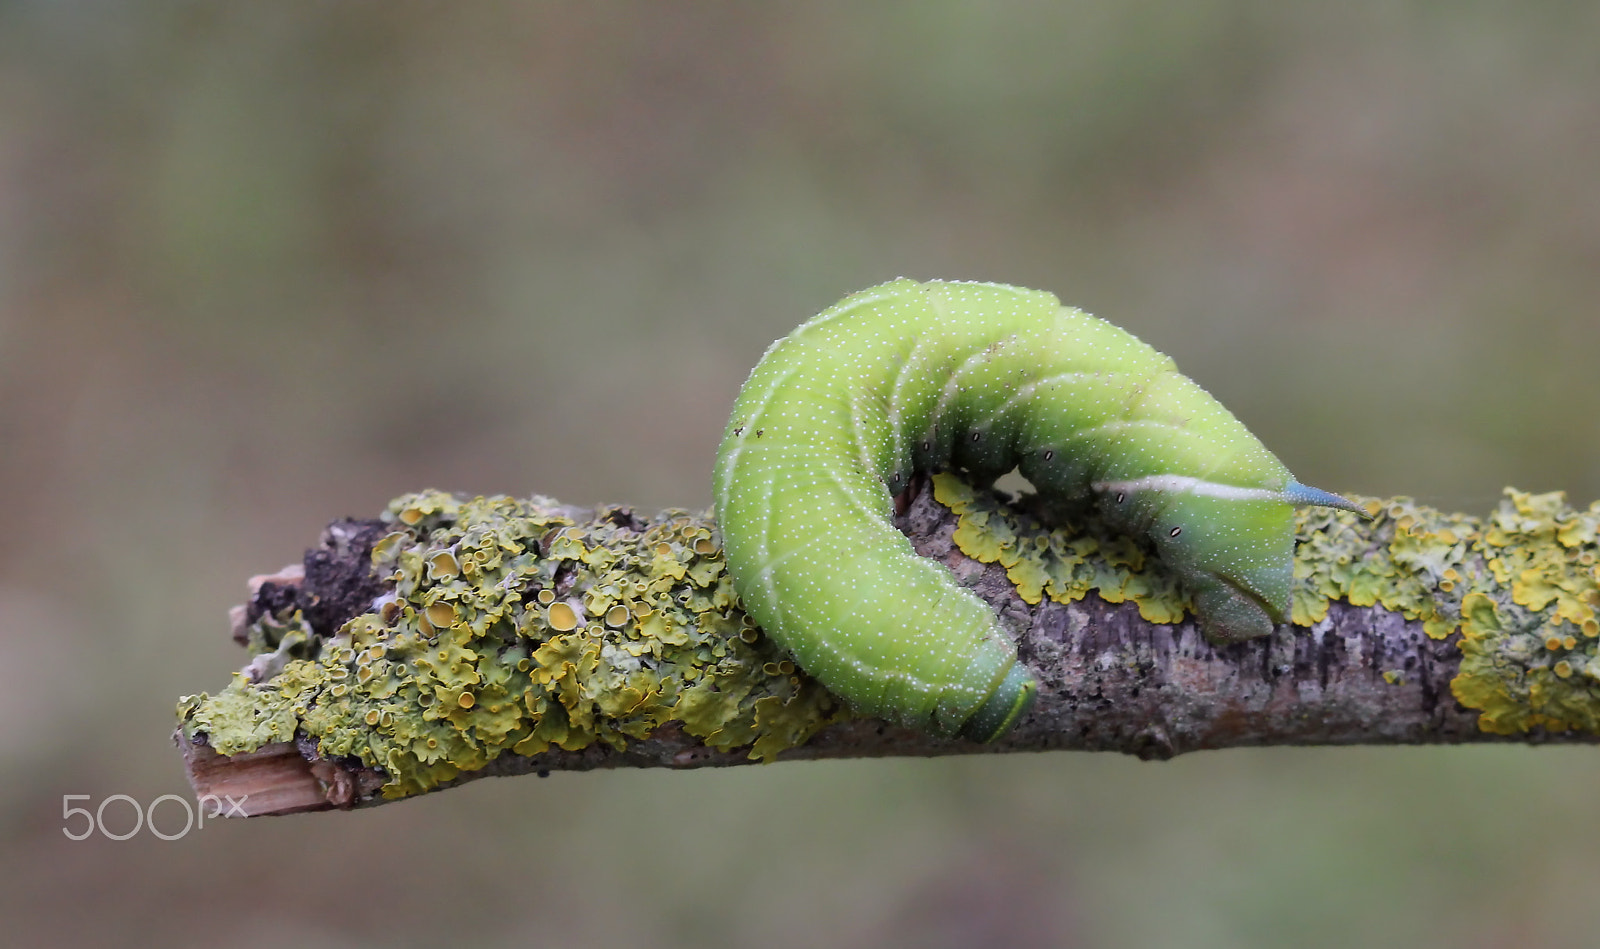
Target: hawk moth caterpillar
x=910, y=377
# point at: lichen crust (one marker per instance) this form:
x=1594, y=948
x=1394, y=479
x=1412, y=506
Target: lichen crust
x=1521, y=587
x=509, y=627
x=1063, y=558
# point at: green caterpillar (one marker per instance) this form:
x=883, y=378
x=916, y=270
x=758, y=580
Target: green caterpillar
x=911, y=377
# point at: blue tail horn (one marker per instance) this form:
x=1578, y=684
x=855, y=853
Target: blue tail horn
x=1301, y=495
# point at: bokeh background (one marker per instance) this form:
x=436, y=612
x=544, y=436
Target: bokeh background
x=265, y=265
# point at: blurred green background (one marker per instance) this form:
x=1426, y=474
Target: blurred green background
x=265, y=265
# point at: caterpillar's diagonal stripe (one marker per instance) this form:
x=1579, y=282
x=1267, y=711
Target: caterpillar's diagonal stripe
x=1182, y=484
x=980, y=377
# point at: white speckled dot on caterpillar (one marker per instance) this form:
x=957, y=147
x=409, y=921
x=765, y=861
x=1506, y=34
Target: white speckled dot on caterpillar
x=980, y=377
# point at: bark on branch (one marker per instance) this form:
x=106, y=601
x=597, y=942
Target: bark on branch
x=1518, y=588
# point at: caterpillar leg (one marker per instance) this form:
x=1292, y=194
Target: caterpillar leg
x=1002, y=709
x=1228, y=613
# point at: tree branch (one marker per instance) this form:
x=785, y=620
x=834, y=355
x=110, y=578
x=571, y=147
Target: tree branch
x=597, y=640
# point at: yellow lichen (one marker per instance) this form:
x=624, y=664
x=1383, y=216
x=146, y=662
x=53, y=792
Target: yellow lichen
x=482, y=649
x=1512, y=584
x=1062, y=563
x=509, y=628
x=1521, y=586
x=561, y=617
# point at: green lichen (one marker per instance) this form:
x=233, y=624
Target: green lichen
x=1408, y=558
x=288, y=636
x=1529, y=659
x=511, y=628
x=1521, y=587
